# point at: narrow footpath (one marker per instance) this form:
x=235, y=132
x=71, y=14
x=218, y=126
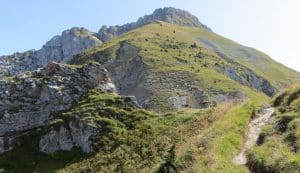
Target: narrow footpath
x=255, y=127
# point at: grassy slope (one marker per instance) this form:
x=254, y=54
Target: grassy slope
x=206, y=140
x=223, y=140
x=278, y=74
x=166, y=48
x=154, y=39
x=280, y=150
x=136, y=140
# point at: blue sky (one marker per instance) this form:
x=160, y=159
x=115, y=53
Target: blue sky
x=272, y=26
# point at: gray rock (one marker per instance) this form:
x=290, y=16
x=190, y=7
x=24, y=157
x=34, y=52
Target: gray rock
x=179, y=101
x=59, y=49
x=77, y=134
x=56, y=140
x=30, y=100
x=20, y=121
x=81, y=134
x=249, y=78
x=128, y=70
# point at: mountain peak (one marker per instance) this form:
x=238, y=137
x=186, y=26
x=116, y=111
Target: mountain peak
x=174, y=16
x=166, y=14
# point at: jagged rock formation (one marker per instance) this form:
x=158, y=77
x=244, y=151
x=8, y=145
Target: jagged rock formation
x=167, y=14
x=59, y=49
x=32, y=99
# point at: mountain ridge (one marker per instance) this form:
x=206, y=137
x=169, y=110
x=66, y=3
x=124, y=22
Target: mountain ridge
x=167, y=14
x=59, y=48
x=77, y=39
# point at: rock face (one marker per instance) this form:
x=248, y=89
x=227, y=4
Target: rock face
x=128, y=70
x=76, y=134
x=246, y=77
x=59, y=49
x=168, y=14
x=30, y=100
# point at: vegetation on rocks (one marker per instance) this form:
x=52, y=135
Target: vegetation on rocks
x=175, y=64
x=135, y=140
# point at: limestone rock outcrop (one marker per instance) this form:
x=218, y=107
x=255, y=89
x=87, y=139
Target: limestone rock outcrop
x=76, y=134
x=59, y=49
x=30, y=100
x=249, y=78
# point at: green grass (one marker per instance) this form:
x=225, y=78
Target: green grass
x=144, y=146
x=224, y=139
x=131, y=139
x=264, y=66
x=274, y=156
x=279, y=75
x=164, y=49
x=136, y=140
x=280, y=149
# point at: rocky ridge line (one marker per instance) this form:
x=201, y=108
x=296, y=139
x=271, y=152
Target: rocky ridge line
x=167, y=14
x=59, y=49
x=75, y=40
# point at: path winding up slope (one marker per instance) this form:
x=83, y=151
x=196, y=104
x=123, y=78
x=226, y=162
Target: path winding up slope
x=255, y=127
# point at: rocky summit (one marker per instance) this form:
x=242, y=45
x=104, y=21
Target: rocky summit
x=59, y=49
x=162, y=94
x=167, y=14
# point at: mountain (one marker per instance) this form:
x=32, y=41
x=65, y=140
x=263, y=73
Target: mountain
x=60, y=49
x=160, y=94
x=75, y=40
x=167, y=14
x=167, y=66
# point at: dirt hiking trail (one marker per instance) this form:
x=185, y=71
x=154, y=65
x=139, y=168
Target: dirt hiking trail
x=255, y=127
